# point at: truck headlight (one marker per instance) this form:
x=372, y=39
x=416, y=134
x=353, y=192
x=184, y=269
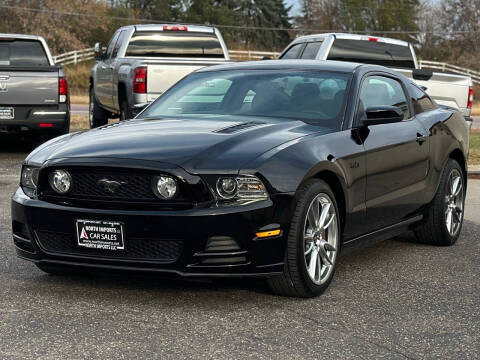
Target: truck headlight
x=243, y=187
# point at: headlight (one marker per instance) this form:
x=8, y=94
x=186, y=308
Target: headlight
x=165, y=187
x=60, y=181
x=29, y=180
x=241, y=187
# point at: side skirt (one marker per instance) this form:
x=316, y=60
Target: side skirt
x=380, y=235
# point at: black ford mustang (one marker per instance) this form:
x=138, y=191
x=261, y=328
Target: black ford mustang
x=254, y=169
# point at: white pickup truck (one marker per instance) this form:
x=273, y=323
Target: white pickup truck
x=447, y=89
x=143, y=61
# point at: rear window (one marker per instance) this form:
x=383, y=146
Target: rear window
x=22, y=53
x=372, y=52
x=174, y=44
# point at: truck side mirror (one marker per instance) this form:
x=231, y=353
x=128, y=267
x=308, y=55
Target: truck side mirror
x=98, y=51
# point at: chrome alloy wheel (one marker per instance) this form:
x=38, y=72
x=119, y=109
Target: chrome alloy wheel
x=320, y=238
x=454, y=200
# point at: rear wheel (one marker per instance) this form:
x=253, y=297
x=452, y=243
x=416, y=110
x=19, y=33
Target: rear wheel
x=96, y=115
x=313, y=243
x=125, y=112
x=444, y=218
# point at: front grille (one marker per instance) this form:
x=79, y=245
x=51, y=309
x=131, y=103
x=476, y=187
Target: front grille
x=158, y=250
x=134, y=186
x=135, y=191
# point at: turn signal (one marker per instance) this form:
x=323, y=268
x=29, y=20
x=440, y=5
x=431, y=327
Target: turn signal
x=264, y=234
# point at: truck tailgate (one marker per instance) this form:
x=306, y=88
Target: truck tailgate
x=161, y=74
x=447, y=89
x=24, y=87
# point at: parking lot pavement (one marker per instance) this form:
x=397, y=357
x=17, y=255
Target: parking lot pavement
x=394, y=300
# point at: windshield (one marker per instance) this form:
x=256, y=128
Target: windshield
x=314, y=97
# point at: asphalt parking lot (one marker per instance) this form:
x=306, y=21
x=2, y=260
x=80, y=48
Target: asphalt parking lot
x=394, y=300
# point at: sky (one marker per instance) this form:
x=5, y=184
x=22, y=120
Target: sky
x=296, y=6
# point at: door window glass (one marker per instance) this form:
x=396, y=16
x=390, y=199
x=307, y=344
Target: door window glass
x=111, y=44
x=311, y=50
x=293, y=52
x=420, y=100
x=381, y=91
x=119, y=43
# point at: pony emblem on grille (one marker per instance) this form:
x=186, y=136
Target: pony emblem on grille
x=110, y=186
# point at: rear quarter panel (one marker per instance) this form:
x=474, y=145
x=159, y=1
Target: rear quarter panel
x=448, y=132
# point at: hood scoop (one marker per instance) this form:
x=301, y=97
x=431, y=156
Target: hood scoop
x=238, y=127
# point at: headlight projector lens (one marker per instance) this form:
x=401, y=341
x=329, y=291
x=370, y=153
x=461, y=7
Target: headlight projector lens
x=227, y=187
x=165, y=187
x=60, y=181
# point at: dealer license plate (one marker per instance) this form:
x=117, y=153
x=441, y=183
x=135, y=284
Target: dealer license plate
x=7, y=113
x=100, y=234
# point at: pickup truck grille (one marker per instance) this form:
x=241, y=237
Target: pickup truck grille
x=135, y=191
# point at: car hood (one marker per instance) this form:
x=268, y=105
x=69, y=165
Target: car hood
x=194, y=144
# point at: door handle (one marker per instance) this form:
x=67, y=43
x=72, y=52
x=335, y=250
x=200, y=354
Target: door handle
x=421, y=138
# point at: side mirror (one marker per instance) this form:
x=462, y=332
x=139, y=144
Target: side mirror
x=98, y=51
x=383, y=114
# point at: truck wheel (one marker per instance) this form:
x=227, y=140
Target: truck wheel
x=96, y=115
x=313, y=243
x=125, y=112
x=444, y=217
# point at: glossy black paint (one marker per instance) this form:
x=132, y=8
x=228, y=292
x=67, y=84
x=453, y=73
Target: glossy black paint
x=383, y=175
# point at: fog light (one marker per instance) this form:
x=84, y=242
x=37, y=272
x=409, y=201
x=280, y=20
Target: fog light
x=165, y=187
x=60, y=181
x=227, y=187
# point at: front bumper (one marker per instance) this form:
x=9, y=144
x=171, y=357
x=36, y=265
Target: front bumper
x=189, y=234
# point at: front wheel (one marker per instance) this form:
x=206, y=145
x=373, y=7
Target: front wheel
x=444, y=217
x=313, y=243
x=96, y=115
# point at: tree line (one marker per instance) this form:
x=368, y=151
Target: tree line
x=441, y=30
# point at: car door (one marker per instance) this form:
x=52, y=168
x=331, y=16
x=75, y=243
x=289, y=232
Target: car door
x=103, y=88
x=396, y=154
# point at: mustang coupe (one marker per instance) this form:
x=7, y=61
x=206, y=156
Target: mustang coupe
x=265, y=169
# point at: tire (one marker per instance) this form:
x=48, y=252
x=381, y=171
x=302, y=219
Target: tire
x=96, y=115
x=296, y=279
x=438, y=227
x=125, y=112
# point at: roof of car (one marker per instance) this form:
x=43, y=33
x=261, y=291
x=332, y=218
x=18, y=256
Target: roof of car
x=159, y=27
x=21, y=36
x=351, y=37
x=322, y=65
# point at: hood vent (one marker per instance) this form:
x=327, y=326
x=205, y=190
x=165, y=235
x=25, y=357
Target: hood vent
x=238, y=127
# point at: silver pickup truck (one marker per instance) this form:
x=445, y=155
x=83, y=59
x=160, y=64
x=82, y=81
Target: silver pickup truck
x=33, y=90
x=142, y=61
x=450, y=90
